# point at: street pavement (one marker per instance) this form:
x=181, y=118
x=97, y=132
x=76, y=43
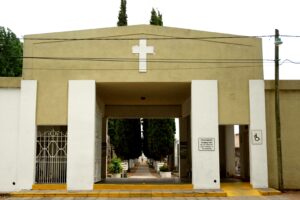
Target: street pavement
x=287, y=196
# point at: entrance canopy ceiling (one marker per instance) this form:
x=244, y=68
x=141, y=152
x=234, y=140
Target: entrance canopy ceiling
x=143, y=93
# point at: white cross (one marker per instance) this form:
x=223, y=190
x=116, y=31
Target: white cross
x=142, y=50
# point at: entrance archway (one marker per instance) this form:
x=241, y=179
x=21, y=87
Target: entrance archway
x=140, y=100
x=202, y=107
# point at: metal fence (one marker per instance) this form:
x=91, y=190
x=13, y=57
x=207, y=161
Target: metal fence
x=51, y=155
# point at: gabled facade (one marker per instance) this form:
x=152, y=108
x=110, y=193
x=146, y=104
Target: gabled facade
x=74, y=81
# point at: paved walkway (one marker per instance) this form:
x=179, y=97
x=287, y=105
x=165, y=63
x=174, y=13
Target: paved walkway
x=143, y=171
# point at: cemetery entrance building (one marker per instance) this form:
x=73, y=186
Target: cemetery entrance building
x=54, y=117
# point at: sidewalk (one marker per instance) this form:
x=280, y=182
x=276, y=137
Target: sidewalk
x=284, y=196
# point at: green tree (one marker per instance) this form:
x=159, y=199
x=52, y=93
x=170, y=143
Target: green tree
x=159, y=136
x=153, y=19
x=125, y=136
x=122, y=18
x=156, y=18
x=159, y=19
x=11, y=52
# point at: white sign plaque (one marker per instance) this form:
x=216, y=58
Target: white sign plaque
x=206, y=144
x=256, y=136
x=124, y=165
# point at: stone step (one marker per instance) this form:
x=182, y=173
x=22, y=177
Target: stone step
x=144, y=190
x=143, y=187
x=119, y=186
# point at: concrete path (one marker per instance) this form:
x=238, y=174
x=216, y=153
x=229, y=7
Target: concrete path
x=142, y=171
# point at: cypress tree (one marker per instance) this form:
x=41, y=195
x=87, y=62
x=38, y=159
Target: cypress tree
x=156, y=18
x=159, y=19
x=125, y=136
x=159, y=136
x=153, y=19
x=122, y=18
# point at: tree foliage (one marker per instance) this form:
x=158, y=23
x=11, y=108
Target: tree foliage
x=125, y=136
x=115, y=166
x=11, y=52
x=156, y=18
x=159, y=136
x=122, y=18
x=158, y=140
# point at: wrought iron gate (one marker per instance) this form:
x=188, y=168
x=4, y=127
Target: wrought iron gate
x=51, y=155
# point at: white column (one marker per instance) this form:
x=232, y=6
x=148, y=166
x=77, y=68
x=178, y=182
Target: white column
x=230, y=150
x=81, y=135
x=98, y=145
x=9, y=117
x=205, y=134
x=27, y=135
x=257, y=135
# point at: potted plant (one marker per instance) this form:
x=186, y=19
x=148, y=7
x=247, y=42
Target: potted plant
x=115, y=167
x=164, y=171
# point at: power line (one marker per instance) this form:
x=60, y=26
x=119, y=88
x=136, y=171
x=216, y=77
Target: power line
x=233, y=61
x=162, y=60
x=158, y=38
x=214, y=39
x=135, y=68
x=290, y=61
x=148, y=38
x=113, y=38
x=165, y=60
x=172, y=61
x=290, y=36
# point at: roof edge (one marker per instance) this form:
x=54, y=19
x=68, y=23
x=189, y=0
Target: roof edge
x=146, y=27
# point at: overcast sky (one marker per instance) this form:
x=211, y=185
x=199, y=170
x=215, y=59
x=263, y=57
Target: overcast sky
x=242, y=17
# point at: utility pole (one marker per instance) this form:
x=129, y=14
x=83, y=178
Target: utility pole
x=277, y=112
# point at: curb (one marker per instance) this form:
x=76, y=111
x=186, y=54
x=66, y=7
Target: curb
x=119, y=194
x=269, y=192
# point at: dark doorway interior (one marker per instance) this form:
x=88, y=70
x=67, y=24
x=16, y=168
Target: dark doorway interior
x=234, y=153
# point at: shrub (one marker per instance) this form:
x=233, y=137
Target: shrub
x=164, y=168
x=115, y=166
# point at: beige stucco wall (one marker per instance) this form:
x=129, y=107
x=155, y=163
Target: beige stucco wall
x=290, y=115
x=10, y=82
x=53, y=75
